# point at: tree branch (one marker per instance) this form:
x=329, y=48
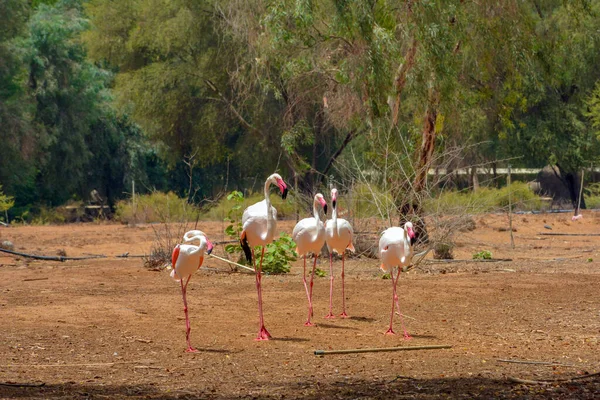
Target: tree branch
x=231, y=106
x=351, y=135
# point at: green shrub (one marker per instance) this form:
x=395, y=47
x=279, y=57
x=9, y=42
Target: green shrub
x=217, y=212
x=485, y=200
x=482, y=255
x=155, y=207
x=278, y=255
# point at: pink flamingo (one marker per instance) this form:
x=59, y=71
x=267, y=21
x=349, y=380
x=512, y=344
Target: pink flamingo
x=259, y=223
x=309, y=235
x=395, y=251
x=338, y=236
x=186, y=260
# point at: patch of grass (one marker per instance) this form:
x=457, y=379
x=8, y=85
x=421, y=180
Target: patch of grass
x=155, y=207
x=485, y=200
x=482, y=255
x=220, y=210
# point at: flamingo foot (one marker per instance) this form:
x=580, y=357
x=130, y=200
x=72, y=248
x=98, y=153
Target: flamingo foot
x=308, y=323
x=190, y=349
x=390, y=332
x=263, y=334
x=407, y=336
x=344, y=315
x=330, y=315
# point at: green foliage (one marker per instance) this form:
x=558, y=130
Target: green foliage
x=320, y=273
x=485, y=200
x=155, y=207
x=6, y=202
x=279, y=254
x=234, y=217
x=482, y=255
x=285, y=208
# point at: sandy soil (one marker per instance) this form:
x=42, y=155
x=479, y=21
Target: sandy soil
x=111, y=328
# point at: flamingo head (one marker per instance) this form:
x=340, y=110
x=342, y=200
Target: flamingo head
x=209, y=246
x=192, y=235
x=333, y=197
x=319, y=197
x=278, y=180
x=408, y=227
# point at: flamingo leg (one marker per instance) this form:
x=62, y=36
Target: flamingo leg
x=406, y=335
x=330, y=315
x=263, y=334
x=312, y=281
x=189, y=349
x=308, y=294
x=390, y=331
x=343, y=314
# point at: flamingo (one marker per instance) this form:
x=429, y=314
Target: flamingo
x=259, y=222
x=395, y=250
x=338, y=236
x=309, y=235
x=186, y=260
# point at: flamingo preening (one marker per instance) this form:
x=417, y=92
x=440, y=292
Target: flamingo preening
x=186, y=260
x=338, y=236
x=309, y=236
x=259, y=223
x=395, y=251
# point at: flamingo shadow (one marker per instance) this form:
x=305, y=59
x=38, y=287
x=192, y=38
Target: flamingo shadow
x=362, y=319
x=222, y=351
x=329, y=326
x=290, y=339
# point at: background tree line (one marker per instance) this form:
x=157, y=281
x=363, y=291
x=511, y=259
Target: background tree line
x=194, y=96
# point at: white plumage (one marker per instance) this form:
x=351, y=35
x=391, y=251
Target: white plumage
x=309, y=236
x=187, y=259
x=259, y=224
x=395, y=251
x=338, y=236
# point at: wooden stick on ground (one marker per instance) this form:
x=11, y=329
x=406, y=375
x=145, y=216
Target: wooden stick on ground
x=22, y=384
x=380, y=349
x=231, y=262
x=567, y=234
x=551, y=381
x=536, y=362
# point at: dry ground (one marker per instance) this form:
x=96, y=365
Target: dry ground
x=110, y=328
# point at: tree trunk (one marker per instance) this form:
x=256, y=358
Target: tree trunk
x=412, y=209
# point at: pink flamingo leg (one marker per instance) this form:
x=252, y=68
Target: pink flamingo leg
x=390, y=331
x=330, y=315
x=308, y=295
x=263, y=334
x=189, y=349
x=406, y=335
x=343, y=314
x=312, y=282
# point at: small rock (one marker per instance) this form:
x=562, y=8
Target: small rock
x=548, y=227
x=7, y=245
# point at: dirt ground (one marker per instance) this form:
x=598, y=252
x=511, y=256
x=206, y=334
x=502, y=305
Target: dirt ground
x=111, y=328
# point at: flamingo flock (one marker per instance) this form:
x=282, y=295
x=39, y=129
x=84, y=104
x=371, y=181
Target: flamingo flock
x=259, y=224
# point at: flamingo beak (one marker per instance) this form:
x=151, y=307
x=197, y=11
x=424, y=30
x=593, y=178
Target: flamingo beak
x=411, y=235
x=323, y=204
x=334, y=201
x=209, y=247
x=283, y=188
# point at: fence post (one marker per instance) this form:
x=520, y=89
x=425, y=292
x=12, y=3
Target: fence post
x=510, y=228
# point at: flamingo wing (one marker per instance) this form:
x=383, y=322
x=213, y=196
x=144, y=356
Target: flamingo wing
x=175, y=256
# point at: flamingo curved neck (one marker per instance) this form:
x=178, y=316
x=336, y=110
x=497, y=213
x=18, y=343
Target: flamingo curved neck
x=200, y=247
x=270, y=220
x=316, y=211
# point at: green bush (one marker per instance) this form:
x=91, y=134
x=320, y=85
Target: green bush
x=155, y=207
x=483, y=255
x=217, y=212
x=485, y=200
x=278, y=255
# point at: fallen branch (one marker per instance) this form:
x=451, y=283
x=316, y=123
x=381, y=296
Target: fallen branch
x=567, y=234
x=231, y=262
x=536, y=362
x=49, y=258
x=35, y=279
x=380, y=349
x=550, y=381
x=127, y=255
x=468, y=261
x=22, y=384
